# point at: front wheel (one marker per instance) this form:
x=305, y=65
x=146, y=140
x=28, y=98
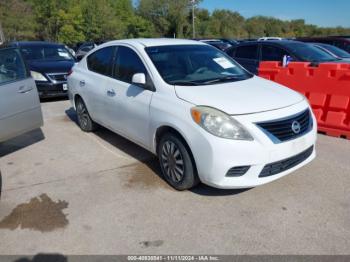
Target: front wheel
x=84, y=120
x=176, y=164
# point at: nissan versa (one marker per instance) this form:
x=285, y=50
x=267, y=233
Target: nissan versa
x=207, y=118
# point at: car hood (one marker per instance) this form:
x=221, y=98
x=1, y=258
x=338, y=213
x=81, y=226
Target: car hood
x=50, y=66
x=243, y=97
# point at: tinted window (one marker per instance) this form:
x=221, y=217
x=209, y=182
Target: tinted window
x=100, y=61
x=127, y=64
x=12, y=67
x=247, y=52
x=231, y=51
x=335, y=50
x=343, y=45
x=46, y=53
x=310, y=53
x=272, y=53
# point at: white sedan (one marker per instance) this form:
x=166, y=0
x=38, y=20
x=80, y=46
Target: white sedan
x=205, y=117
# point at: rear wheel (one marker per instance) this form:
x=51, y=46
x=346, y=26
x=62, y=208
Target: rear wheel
x=84, y=120
x=176, y=164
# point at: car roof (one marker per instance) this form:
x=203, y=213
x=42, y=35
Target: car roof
x=338, y=38
x=35, y=43
x=276, y=42
x=149, y=42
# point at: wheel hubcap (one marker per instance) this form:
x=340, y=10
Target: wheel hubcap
x=172, y=162
x=82, y=114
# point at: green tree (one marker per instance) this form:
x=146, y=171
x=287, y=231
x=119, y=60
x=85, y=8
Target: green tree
x=227, y=24
x=169, y=17
x=71, y=26
x=47, y=18
x=17, y=20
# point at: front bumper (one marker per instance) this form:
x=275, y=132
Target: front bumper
x=216, y=156
x=48, y=89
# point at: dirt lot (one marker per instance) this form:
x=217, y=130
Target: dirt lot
x=74, y=193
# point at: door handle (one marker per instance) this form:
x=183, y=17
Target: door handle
x=82, y=83
x=24, y=90
x=111, y=93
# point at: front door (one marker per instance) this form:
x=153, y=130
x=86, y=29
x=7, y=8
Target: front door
x=128, y=105
x=20, y=109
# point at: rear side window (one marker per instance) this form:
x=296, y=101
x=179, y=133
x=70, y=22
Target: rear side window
x=12, y=67
x=127, y=64
x=272, y=53
x=247, y=52
x=101, y=61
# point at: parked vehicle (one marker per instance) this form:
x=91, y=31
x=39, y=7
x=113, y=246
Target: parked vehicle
x=269, y=38
x=230, y=41
x=20, y=109
x=84, y=49
x=343, y=42
x=250, y=54
x=334, y=51
x=219, y=44
x=205, y=117
x=49, y=64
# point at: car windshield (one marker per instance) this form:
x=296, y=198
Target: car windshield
x=195, y=65
x=55, y=53
x=335, y=50
x=310, y=53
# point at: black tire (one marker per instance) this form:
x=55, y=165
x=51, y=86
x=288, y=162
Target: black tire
x=176, y=163
x=84, y=120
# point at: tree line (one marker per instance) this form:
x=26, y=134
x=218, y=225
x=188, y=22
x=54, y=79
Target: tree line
x=72, y=21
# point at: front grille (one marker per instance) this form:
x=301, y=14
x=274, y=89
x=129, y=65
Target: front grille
x=237, y=171
x=282, y=129
x=58, y=77
x=283, y=165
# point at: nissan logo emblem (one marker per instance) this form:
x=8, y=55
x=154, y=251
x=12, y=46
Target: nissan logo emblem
x=296, y=127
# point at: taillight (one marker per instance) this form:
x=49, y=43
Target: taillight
x=70, y=72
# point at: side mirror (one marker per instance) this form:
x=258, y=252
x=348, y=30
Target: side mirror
x=139, y=79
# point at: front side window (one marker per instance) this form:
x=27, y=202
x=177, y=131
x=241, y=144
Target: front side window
x=55, y=53
x=127, y=64
x=101, y=61
x=195, y=65
x=12, y=67
x=272, y=53
x=247, y=52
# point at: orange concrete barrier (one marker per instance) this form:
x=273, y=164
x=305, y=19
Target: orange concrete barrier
x=327, y=87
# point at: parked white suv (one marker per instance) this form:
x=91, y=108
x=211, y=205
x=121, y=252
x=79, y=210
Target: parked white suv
x=206, y=117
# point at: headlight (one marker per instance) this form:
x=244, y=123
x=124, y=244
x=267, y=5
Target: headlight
x=38, y=76
x=219, y=124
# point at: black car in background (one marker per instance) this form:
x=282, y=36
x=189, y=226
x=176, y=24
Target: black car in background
x=218, y=43
x=250, y=54
x=49, y=64
x=343, y=42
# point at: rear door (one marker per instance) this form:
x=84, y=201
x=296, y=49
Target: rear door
x=20, y=109
x=95, y=83
x=248, y=57
x=273, y=53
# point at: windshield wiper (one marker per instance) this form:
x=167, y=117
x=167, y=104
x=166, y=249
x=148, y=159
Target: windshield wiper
x=184, y=83
x=223, y=79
